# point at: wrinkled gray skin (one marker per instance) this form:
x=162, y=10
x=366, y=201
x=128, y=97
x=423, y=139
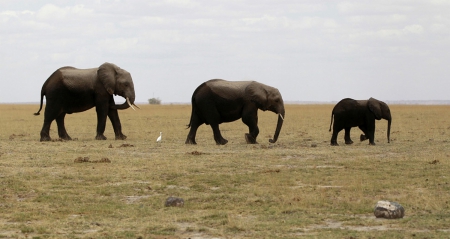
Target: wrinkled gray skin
x=218, y=101
x=350, y=113
x=70, y=90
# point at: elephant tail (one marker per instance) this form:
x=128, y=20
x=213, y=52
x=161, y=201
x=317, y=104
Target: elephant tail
x=189, y=125
x=331, y=121
x=40, y=108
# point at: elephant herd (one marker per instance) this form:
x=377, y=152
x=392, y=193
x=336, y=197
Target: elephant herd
x=70, y=90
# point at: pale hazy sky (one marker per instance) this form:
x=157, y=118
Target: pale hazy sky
x=310, y=50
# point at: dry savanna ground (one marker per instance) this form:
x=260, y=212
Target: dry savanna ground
x=298, y=187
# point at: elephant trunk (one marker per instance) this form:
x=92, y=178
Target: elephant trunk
x=123, y=106
x=389, y=129
x=278, y=129
x=127, y=104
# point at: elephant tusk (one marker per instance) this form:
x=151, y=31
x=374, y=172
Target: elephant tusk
x=128, y=101
x=136, y=106
x=281, y=117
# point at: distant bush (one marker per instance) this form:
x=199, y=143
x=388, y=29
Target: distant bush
x=154, y=101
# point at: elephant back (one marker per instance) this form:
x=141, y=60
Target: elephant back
x=228, y=89
x=78, y=80
x=346, y=104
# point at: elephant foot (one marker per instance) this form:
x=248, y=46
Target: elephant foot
x=362, y=137
x=334, y=143
x=250, y=139
x=65, y=137
x=120, y=137
x=190, y=141
x=221, y=141
x=348, y=141
x=371, y=143
x=100, y=137
x=45, y=138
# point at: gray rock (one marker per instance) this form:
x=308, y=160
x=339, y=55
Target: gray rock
x=389, y=210
x=174, y=202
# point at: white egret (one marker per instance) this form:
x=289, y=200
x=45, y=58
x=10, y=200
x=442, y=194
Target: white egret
x=158, y=140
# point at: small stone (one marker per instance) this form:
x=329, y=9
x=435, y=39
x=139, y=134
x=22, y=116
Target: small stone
x=388, y=210
x=174, y=202
x=313, y=145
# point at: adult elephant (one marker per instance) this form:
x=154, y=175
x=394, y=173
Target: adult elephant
x=350, y=113
x=70, y=90
x=218, y=101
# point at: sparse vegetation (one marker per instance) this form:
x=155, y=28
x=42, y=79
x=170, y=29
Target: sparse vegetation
x=154, y=101
x=284, y=190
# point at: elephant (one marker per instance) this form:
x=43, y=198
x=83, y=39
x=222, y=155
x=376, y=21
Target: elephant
x=217, y=101
x=70, y=90
x=350, y=113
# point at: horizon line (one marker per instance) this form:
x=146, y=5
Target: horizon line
x=297, y=102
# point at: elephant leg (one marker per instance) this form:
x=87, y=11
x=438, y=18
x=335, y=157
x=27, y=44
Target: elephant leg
x=363, y=137
x=49, y=116
x=102, y=113
x=194, y=124
x=334, y=136
x=371, y=140
x=192, y=133
x=217, y=135
x=347, y=138
x=62, y=128
x=251, y=120
x=213, y=118
x=45, y=131
x=113, y=116
x=372, y=137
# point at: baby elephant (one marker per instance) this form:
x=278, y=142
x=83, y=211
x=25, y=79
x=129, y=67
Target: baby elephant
x=350, y=113
x=70, y=90
x=218, y=101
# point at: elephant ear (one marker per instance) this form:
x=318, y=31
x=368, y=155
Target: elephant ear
x=374, y=106
x=258, y=95
x=107, y=75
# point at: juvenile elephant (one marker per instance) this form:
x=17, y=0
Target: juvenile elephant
x=350, y=113
x=70, y=90
x=218, y=101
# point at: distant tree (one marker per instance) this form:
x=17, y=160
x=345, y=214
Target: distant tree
x=154, y=101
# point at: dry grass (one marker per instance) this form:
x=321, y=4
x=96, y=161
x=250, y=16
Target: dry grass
x=298, y=187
